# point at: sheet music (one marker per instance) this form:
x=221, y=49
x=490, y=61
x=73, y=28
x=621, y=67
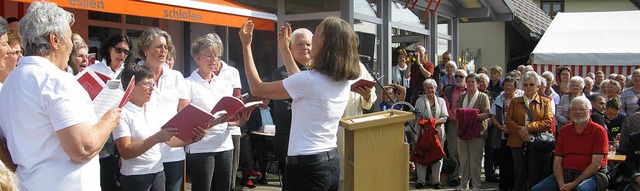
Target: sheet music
x=107, y=99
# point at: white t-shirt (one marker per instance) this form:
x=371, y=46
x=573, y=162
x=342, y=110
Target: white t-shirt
x=206, y=95
x=231, y=75
x=38, y=100
x=170, y=88
x=135, y=122
x=318, y=104
x=106, y=70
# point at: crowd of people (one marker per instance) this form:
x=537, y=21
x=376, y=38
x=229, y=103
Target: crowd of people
x=52, y=140
x=499, y=118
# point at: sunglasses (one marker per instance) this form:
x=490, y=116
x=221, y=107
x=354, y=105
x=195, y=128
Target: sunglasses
x=121, y=50
x=459, y=76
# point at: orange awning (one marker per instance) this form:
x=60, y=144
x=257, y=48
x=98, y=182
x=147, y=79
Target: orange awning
x=162, y=10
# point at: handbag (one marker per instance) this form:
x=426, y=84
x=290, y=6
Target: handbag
x=540, y=140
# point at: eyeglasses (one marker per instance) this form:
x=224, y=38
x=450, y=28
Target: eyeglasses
x=529, y=84
x=211, y=57
x=147, y=85
x=120, y=50
x=17, y=52
x=459, y=76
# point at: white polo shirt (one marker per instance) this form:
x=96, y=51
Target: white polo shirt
x=206, y=95
x=318, y=104
x=170, y=88
x=232, y=76
x=106, y=70
x=135, y=122
x=38, y=100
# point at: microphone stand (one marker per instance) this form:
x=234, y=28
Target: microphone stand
x=415, y=111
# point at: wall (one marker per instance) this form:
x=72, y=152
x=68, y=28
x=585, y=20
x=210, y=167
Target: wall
x=488, y=36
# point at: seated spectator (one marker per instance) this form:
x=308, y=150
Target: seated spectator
x=614, y=118
x=613, y=89
x=630, y=125
x=398, y=94
x=631, y=166
x=579, y=166
x=576, y=84
x=588, y=86
x=599, y=105
x=253, y=147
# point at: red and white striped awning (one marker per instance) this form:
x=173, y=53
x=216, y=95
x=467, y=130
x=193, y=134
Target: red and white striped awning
x=581, y=70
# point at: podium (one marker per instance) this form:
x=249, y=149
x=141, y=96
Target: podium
x=375, y=154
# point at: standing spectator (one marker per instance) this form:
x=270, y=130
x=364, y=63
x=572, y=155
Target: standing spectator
x=312, y=153
x=78, y=59
x=138, y=138
x=114, y=54
x=588, y=86
x=498, y=116
x=169, y=97
x=562, y=111
x=495, y=83
x=439, y=70
x=562, y=85
x=622, y=80
x=451, y=95
x=598, y=80
x=300, y=48
x=481, y=70
x=470, y=148
x=493, y=135
x=521, y=69
x=47, y=118
x=432, y=107
x=615, y=118
x=418, y=71
x=448, y=79
x=529, y=166
x=579, y=166
x=549, y=92
x=210, y=161
x=397, y=73
x=630, y=96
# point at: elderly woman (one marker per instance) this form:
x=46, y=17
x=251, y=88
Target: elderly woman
x=114, y=55
x=498, y=116
x=528, y=114
x=138, y=138
x=471, y=132
x=562, y=111
x=169, y=97
x=55, y=147
x=622, y=80
x=320, y=96
x=630, y=96
x=432, y=107
x=448, y=79
x=613, y=89
x=210, y=161
x=78, y=59
x=562, y=86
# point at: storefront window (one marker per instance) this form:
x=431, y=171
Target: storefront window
x=311, y=6
x=98, y=34
x=102, y=16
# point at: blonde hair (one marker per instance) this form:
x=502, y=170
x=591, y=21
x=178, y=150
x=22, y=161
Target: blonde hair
x=8, y=180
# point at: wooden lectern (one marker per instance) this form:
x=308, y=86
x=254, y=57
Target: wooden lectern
x=375, y=154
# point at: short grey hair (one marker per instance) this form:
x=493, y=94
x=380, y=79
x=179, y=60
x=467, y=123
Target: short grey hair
x=582, y=100
x=461, y=71
x=206, y=42
x=616, y=84
x=301, y=31
x=550, y=74
x=531, y=75
x=452, y=63
x=42, y=19
x=527, y=68
x=483, y=76
x=147, y=37
x=577, y=79
x=588, y=79
x=430, y=81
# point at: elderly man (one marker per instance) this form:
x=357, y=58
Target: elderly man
x=439, y=70
x=588, y=86
x=451, y=94
x=579, y=166
x=47, y=117
x=419, y=71
x=300, y=47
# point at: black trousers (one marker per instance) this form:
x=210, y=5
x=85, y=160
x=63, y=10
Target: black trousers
x=151, y=182
x=109, y=172
x=319, y=176
x=505, y=164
